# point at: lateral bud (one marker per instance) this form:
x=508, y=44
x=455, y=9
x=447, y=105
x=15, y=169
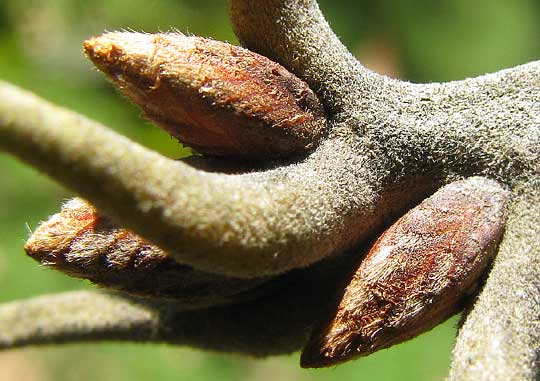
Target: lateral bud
x=82, y=243
x=217, y=98
x=416, y=274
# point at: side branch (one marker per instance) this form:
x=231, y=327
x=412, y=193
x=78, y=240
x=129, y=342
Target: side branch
x=238, y=225
x=500, y=338
x=75, y=316
x=296, y=34
x=188, y=213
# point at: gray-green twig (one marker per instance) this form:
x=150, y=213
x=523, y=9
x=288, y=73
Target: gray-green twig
x=390, y=144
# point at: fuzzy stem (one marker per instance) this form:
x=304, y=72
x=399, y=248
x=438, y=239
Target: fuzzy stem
x=238, y=225
x=73, y=317
x=165, y=201
x=390, y=144
x=296, y=34
x=500, y=338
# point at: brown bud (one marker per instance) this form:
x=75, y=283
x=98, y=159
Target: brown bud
x=82, y=243
x=416, y=274
x=218, y=98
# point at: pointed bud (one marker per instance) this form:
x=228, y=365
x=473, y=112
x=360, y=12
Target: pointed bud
x=217, y=98
x=82, y=243
x=416, y=274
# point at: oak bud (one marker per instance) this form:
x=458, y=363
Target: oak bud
x=83, y=243
x=416, y=274
x=217, y=98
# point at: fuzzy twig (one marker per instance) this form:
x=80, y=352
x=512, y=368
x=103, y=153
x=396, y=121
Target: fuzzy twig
x=74, y=316
x=296, y=34
x=260, y=223
x=390, y=144
x=251, y=220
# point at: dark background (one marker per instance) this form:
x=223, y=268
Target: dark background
x=40, y=49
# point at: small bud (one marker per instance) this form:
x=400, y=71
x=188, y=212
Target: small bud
x=217, y=98
x=416, y=274
x=82, y=243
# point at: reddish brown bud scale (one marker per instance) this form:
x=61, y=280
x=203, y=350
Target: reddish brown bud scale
x=82, y=243
x=416, y=274
x=217, y=98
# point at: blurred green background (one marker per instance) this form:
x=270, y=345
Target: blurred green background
x=40, y=49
